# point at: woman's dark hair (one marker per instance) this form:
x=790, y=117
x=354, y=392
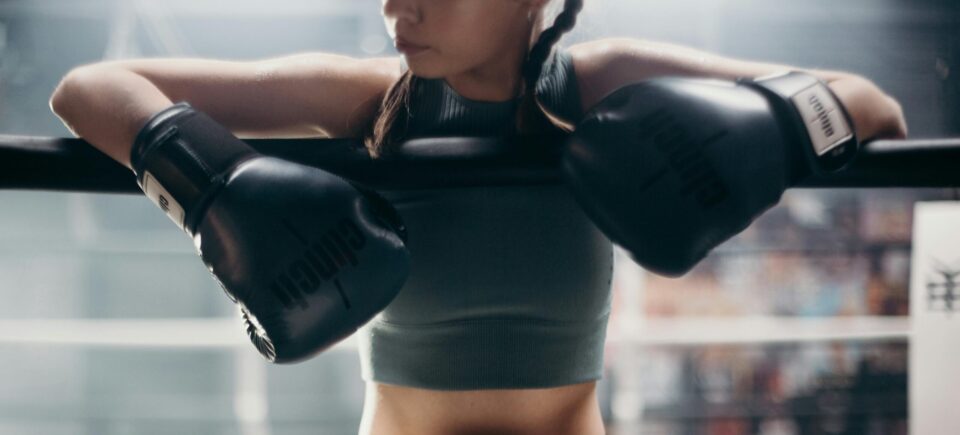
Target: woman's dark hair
x=390, y=125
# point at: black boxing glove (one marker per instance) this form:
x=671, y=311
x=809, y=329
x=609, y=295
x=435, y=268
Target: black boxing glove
x=670, y=168
x=308, y=256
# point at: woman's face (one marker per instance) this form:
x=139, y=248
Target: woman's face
x=448, y=37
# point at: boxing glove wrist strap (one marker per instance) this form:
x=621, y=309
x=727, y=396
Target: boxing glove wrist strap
x=820, y=122
x=180, y=157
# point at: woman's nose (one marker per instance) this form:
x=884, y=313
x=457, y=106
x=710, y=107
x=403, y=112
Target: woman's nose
x=401, y=10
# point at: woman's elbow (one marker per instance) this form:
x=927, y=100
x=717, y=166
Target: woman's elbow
x=66, y=93
x=58, y=100
x=61, y=96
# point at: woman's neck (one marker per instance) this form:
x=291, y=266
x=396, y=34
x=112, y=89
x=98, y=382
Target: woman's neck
x=498, y=80
x=488, y=82
x=493, y=88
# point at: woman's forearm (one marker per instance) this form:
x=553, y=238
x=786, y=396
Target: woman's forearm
x=107, y=106
x=875, y=113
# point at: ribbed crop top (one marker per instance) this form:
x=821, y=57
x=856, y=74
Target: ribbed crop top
x=510, y=286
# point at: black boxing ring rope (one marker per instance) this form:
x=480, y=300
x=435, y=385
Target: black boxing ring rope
x=73, y=165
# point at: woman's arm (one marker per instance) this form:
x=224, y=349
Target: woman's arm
x=304, y=95
x=605, y=65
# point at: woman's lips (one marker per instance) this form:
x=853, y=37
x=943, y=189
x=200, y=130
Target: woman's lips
x=409, y=49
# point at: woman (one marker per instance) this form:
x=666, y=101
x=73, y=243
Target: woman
x=468, y=346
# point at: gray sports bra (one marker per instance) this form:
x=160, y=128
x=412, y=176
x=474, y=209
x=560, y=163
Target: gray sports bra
x=510, y=286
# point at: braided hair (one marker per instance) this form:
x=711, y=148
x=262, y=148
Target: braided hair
x=390, y=125
x=531, y=116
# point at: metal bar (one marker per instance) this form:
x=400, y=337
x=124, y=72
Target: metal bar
x=43, y=163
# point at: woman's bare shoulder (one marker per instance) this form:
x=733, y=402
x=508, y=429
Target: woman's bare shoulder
x=340, y=94
x=605, y=65
x=351, y=92
x=386, y=69
x=376, y=75
x=592, y=62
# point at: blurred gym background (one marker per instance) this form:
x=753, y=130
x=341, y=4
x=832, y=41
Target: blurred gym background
x=111, y=325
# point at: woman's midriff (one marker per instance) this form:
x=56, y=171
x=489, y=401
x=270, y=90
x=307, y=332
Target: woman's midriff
x=393, y=410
